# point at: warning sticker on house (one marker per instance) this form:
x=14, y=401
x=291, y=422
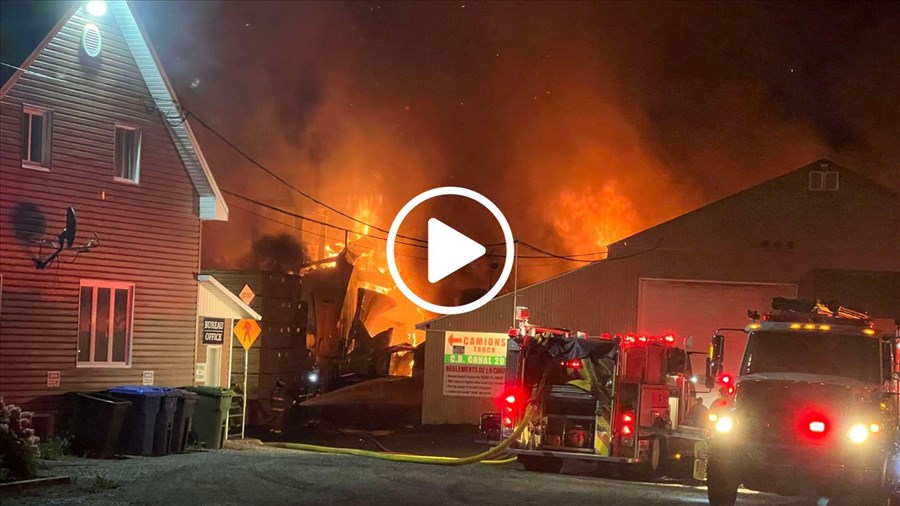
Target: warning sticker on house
x=474, y=364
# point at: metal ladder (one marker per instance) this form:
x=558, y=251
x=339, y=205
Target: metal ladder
x=236, y=416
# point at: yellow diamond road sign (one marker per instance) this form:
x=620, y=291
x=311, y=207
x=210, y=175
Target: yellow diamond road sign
x=247, y=330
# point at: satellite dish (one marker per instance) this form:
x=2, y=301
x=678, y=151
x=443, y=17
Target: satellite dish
x=65, y=240
x=67, y=236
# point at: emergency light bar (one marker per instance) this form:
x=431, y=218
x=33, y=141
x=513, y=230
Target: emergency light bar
x=628, y=339
x=808, y=315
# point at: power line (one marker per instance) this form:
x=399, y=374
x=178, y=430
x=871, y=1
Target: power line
x=545, y=254
x=283, y=181
x=304, y=231
x=570, y=258
x=288, y=184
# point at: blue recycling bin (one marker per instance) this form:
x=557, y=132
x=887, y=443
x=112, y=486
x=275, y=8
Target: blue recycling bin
x=139, y=427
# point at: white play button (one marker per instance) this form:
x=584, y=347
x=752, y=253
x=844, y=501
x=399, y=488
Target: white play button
x=449, y=250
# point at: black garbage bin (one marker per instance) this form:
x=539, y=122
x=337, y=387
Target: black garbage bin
x=184, y=415
x=97, y=424
x=140, y=421
x=165, y=421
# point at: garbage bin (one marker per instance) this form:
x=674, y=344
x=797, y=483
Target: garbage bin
x=97, y=424
x=165, y=421
x=183, y=420
x=211, y=415
x=139, y=426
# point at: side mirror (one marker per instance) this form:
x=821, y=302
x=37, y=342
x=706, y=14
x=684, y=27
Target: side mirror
x=715, y=359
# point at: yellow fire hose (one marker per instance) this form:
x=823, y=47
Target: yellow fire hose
x=483, y=457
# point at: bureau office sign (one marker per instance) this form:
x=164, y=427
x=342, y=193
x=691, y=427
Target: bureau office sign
x=213, y=330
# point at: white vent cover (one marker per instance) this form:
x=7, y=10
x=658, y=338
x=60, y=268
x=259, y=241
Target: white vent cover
x=824, y=180
x=90, y=40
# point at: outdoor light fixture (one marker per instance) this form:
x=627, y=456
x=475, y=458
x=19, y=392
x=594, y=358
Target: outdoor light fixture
x=313, y=377
x=96, y=8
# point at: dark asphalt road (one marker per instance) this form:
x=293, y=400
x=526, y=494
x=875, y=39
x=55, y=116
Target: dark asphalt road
x=268, y=476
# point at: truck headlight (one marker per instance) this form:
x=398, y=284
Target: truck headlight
x=858, y=433
x=725, y=424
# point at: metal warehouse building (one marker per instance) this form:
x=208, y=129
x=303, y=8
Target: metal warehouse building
x=821, y=231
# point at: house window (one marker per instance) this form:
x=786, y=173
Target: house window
x=104, y=323
x=35, y=137
x=824, y=180
x=128, y=153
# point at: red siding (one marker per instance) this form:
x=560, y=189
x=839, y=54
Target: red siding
x=149, y=233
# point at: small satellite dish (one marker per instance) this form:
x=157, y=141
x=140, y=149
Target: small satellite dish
x=65, y=240
x=68, y=234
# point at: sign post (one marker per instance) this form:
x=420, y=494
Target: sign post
x=247, y=331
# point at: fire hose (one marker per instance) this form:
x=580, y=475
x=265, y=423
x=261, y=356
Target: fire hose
x=485, y=457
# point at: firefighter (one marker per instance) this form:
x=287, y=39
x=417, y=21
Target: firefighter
x=278, y=406
x=697, y=413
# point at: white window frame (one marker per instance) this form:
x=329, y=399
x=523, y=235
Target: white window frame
x=821, y=178
x=46, y=133
x=129, y=329
x=137, y=162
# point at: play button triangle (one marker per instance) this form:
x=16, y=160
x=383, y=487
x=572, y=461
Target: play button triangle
x=449, y=250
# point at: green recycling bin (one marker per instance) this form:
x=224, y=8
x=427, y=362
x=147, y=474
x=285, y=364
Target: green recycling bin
x=210, y=421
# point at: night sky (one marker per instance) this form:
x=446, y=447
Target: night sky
x=583, y=122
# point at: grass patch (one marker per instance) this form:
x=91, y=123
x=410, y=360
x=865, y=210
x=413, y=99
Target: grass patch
x=55, y=448
x=101, y=483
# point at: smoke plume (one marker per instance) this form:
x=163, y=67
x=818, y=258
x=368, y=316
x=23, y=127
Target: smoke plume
x=584, y=122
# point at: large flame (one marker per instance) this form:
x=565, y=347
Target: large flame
x=589, y=219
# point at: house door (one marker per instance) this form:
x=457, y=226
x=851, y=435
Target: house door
x=214, y=366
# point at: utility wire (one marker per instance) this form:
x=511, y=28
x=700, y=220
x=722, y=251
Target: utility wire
x=283, y=181
x=303, y=230
x=545, y=254
x=287, y=183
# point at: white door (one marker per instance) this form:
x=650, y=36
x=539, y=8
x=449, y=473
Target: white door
x=698, y=308
x=213, y=366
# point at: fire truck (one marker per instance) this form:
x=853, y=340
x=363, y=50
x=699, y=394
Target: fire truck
x=621, y=399
x=814, y=408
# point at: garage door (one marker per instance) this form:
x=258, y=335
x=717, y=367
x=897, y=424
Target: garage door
x=698, y=308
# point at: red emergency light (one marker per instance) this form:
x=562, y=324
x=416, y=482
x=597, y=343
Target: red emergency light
x=627, y=425
x=575, y=363
x=813, y=424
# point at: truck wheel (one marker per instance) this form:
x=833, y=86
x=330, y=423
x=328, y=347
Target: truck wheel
x=649, y=469
x=541, y=464
x=721, y=485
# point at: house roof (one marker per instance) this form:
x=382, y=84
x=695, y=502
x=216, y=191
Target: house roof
x=226, y=296
x=212, y=203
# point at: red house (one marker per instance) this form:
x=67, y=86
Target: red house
x=90, y=121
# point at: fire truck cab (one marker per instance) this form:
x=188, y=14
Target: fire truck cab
x=814, y=412
x=621, y=399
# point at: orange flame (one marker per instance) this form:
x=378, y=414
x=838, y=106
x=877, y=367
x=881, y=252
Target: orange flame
x=591, y=218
